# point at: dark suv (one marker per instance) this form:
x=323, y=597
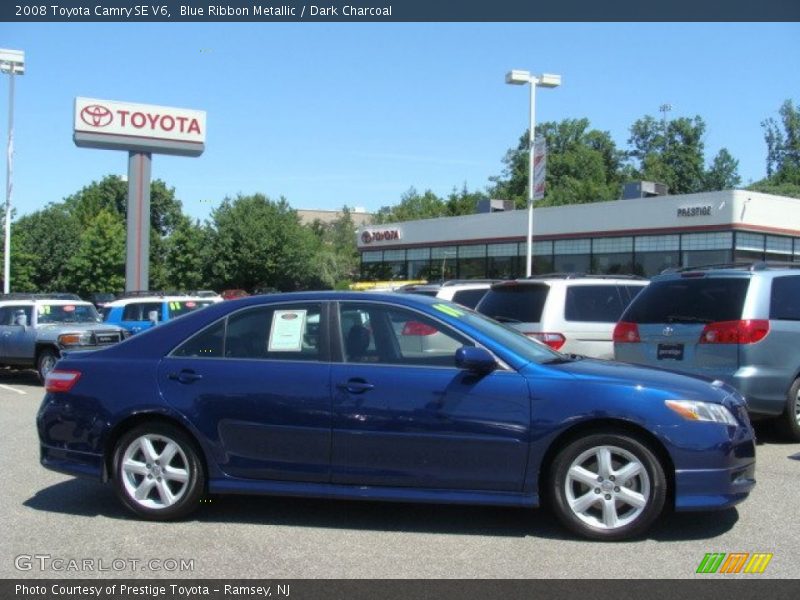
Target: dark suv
x=737, y=323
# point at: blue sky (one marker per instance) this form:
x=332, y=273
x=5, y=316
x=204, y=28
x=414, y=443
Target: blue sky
x=333, y=114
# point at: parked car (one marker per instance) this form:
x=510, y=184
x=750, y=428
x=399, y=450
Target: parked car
x=140, y=311
x=272, y=395
x=233, y=294
x=740, y=324
x=100, y=299
x=36, y=329
x=572, y=313
x=466, y=292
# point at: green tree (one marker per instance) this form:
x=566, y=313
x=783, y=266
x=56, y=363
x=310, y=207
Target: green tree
x=463, y=202
x=258, y=242
x=583, y=165
x=413, y=205
x=783, y=153
x=670, y=152
x=47, y=239
x=336, y=254
x=723, y=173
x=185, y=254
x=98, y=265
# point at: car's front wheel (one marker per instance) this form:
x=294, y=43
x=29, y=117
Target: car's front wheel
x=158, y=472
x=45, y=362
x=607, y=486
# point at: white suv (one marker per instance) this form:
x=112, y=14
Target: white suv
x=466, y=292
x=571, y=313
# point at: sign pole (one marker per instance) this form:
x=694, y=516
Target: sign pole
x=137, y=263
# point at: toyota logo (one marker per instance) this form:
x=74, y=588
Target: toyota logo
x=366, y=237
x=95, y=115
x=668, y=331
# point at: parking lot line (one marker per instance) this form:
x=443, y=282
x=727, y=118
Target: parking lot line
x=12, y=389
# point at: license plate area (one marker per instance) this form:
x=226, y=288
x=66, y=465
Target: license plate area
x=670, y=352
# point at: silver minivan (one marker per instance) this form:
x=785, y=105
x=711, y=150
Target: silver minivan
x=571, y=313
x=738, y=324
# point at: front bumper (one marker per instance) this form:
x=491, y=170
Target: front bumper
x=708, y=489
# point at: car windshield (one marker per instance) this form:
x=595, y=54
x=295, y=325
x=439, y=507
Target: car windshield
x=182, y=307
x=513, y=340
x=67, y=313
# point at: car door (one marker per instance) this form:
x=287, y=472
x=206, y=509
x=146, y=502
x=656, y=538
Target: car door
x=258, y=384
x=404, y=415
x=17, y=336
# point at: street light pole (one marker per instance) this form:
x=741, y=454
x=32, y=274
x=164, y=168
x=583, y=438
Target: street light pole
x=12, y=62
x=517, y=77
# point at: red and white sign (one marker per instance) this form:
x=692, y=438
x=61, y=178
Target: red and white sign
x=139, y=120
x=371, y=236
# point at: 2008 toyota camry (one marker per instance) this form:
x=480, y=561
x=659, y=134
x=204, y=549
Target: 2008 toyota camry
x=390, y=397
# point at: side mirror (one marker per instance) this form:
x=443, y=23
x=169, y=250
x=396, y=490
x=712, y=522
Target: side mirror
x=477, y=360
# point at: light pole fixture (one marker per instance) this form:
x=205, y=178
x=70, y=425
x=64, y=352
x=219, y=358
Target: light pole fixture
x=12, y=62
x=547, y=80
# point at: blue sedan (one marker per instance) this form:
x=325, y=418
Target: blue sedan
x=390, y=397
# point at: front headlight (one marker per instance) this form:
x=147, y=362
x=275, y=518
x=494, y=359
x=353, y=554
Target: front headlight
x=75, y=339
x=693, y=410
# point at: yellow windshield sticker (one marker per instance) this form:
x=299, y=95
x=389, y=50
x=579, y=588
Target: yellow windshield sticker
x=448, y=310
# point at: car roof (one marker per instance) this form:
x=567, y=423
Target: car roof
x=52, y=301
x=746, y=269
x=574, y=278
x=125, y=301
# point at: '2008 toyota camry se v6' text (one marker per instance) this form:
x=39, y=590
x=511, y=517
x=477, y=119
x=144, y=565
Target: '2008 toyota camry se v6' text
x=390, y=397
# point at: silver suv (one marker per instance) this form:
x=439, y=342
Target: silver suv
x=571, y=313
x=466, y=292
x=35, y=329
x=736, y=323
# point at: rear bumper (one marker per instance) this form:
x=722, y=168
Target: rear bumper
x=708, y=489
x=70, y=462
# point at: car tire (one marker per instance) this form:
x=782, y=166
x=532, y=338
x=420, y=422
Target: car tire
x=157, y=472
x=45, y=362
x=607, y=486
x=789, y=421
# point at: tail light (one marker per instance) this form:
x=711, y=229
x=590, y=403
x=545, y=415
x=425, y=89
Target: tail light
x=749, y=331
x=554, y=340
x=626, y=333
x=417, y=328
x=60, y=381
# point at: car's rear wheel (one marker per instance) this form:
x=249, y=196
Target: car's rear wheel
x=158, y=472
x=607, y=486
x=789, y=421
x=45, y=362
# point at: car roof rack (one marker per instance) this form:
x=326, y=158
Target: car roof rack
x=576, y=275
x=760, y=265
x=463, y=281
x=40, y=296
x=157, y=294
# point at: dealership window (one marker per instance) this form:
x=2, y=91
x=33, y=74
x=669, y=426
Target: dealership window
x=749, y=246
x=444, y=262
x=396, y=262
x=612, y=255
x=472, y=261
x=502, y=261
x=706, y=248
x=542, y=257
x=572, y=256
x=419, y=262
x=654, y=253
x=779, y=248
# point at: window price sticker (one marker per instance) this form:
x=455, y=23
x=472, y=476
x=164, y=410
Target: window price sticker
x=286, y=332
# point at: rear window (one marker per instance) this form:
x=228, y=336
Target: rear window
x=784, y=304
x=701, y=300
x=469, y=298
x=598, y=303
x=515, y=303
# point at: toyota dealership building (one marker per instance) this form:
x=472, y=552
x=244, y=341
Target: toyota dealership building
x=642, y=235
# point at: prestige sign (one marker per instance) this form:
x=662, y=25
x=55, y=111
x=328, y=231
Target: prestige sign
x=110, y=124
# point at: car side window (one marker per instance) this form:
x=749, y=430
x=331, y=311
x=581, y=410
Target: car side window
x=784, y=304
x=9, y=315
x=469, y=298
x=209, y=343
x=282, y=332
x=374, y=333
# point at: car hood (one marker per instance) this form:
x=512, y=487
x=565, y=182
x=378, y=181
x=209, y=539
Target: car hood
x=77, y=327
x=680, y=385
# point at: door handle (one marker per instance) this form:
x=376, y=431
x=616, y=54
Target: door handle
x=185, y=376
x=355, y=386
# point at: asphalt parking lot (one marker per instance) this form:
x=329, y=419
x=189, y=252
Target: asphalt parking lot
x=65, y=519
